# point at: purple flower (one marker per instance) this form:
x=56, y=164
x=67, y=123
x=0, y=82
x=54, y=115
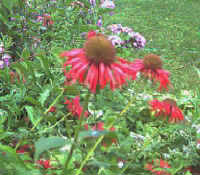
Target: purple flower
x=90, y=11
x=1, y=49
x=116, y=40
x=108, y=4
x=111, y=13
x=127, y=30
x=4, y=61
x=99, y=22
x=92, y=2
x=115, y=28
x=1, y=64
x=138, y=40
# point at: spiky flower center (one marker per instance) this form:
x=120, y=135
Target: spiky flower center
x=152, y=61
x=99, y=49
x=170, y=101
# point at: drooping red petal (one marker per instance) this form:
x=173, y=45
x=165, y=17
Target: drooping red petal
x=163, y=77
x=92, y=78
x=102, y=80
x=80, y=73
x=91, y=34
x=73, y=61
x=137, y=65
x=111, y=78
x=71, y=53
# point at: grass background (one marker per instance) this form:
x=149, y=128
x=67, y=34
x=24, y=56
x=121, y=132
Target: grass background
x=172, y=30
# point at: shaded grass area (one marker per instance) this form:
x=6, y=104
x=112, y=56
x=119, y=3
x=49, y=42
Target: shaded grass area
x=172, y=30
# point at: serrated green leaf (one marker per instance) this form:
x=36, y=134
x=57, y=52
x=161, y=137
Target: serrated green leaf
x=32, y=115
x=25, y=54
x=45, y=144
x=19, y=68
x=45, y=64
x=31, y=100
x=44, y=95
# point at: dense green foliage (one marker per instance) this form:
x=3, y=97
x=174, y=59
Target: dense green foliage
x=35, y=124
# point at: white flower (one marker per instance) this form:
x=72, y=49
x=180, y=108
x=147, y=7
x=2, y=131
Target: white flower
x=120, y=164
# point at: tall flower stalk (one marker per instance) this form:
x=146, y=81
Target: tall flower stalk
x=77, y=131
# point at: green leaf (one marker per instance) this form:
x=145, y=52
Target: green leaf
x=19, y=68
x=45, y=64
x=44, y=95
x=10, y=155
x=32, y=115
x=9, y=4
x=3, y=116
x=25, y=54
x=45, y=144
x=32, y=100
x=198, y=71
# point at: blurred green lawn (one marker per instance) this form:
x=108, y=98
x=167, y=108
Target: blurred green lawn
x=172, y=30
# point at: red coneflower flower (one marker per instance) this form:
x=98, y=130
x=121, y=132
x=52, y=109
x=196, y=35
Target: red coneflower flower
x=151, y=67
x=75, y=108
x=167, y=108
x=47, y=21
x=96, y=64
x=158, y=164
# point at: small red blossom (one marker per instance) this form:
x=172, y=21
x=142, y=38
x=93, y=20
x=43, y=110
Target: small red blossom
x=151, y=67
x=23, y=149
x=52, y=109
x=44, y=163
x=96, y=64
x=75, y=108
x=47, y=21
x=167, y=108
x=158, y=164
x=98, y=127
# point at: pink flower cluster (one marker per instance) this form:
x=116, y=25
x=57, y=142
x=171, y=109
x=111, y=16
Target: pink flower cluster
x=158, y=164
x=167, y=108
x=107, y=4
x=135, y=39
x=45, y=19
x=75, y=108
x=4, y=57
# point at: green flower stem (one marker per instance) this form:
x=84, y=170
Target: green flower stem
x=62, y=119
x=76, y=135
x=54, y=102
x=126, y=167
x=90, y=153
